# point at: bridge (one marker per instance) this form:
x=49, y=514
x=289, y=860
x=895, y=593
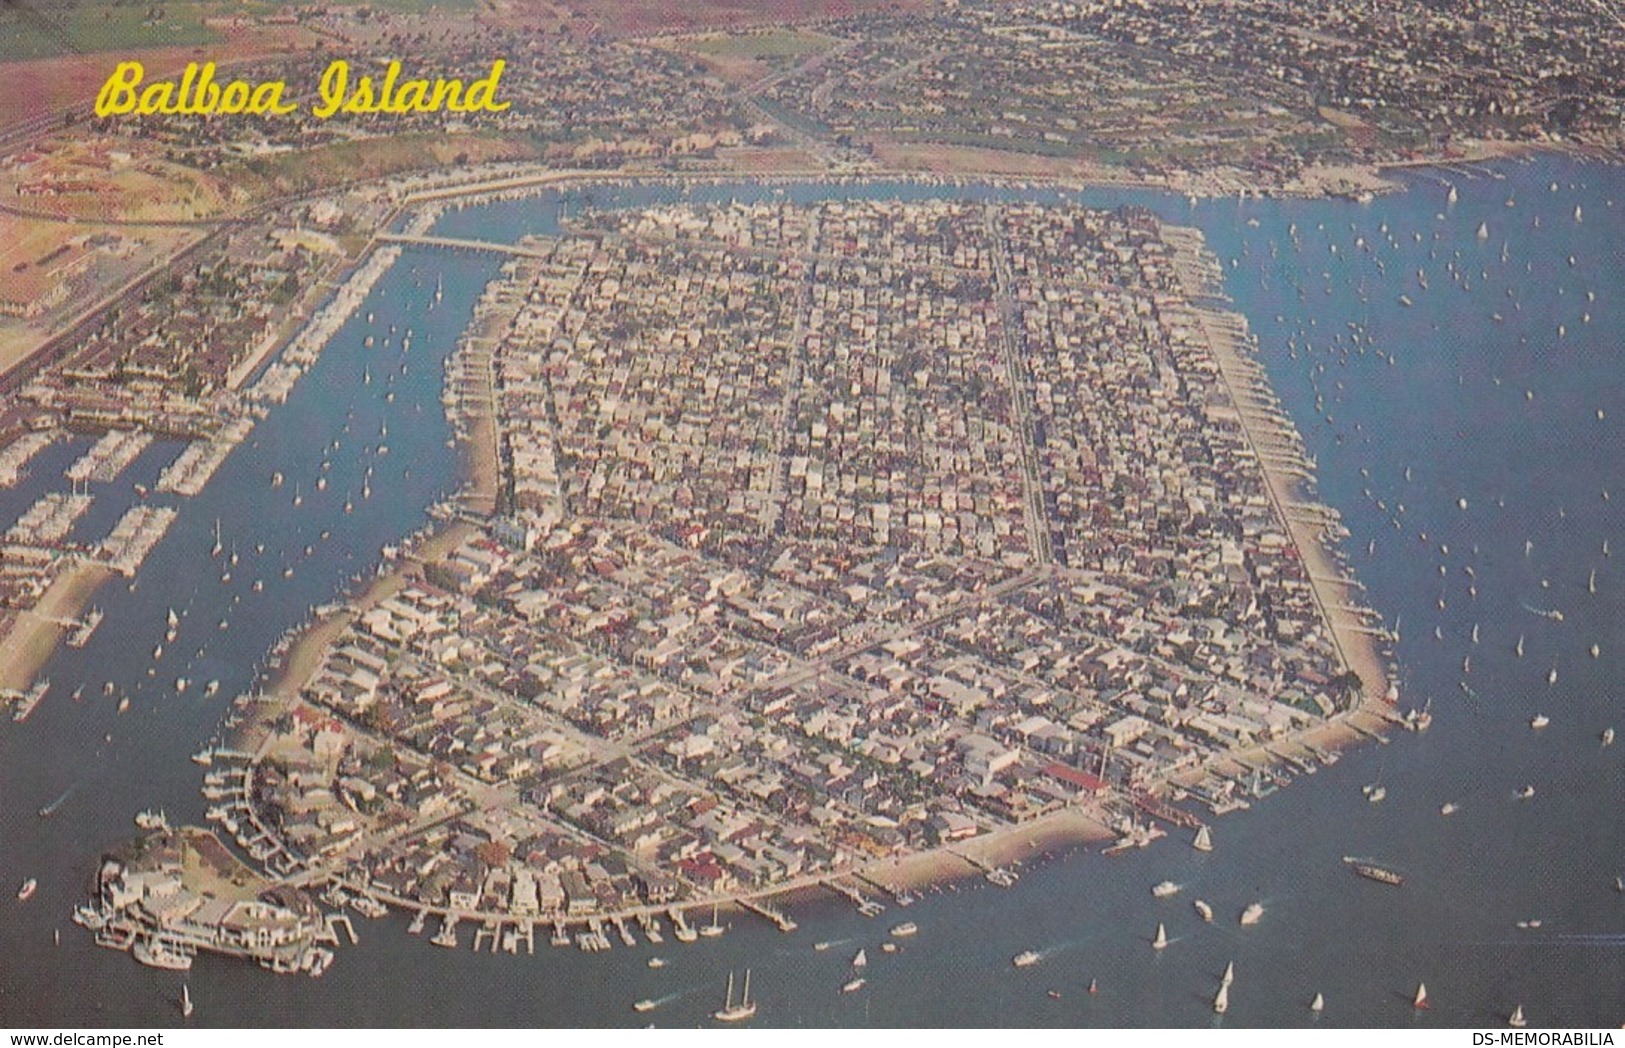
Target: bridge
x=457, y=244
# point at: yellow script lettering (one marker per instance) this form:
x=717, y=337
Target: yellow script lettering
x=118, y=93
x=482, y=93
x=334, y=80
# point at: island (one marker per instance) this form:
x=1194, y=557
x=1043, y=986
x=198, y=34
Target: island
x=845, y=546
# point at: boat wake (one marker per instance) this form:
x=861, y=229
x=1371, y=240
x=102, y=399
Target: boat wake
x=50, y=809
x=1545, y=613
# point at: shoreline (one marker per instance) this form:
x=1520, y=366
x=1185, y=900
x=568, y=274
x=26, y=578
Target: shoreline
x=1249, y=390
x=33, y=637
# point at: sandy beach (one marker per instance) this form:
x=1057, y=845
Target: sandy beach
x=34, y=634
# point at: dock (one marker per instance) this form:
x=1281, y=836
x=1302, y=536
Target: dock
x=340, y=920
x=684, y=932
x=762, y=909
x=1166, y=812
x=866, y=906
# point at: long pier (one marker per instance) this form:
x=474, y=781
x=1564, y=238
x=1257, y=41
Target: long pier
x=458, y=244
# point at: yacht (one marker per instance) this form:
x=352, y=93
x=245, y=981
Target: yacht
x=731, y=1012
x=1252, y=913
x=854, y=985
x=1204, y=910
x=1165, y=889
x=156, y=952
x=1608, y=736
x=657, y=962
x=1026, y=959
x=27, y=890
x=645, y=1005
x=904, y=930
x=1539, y=721
x=1373, y=871
x=1448, y=808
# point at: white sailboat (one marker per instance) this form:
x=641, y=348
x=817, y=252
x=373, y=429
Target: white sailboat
x=731, y=1012
x=1318, y=1005
x=1161, y=941
x=712, y=930
x=1203, y=840
x=186, y=1001
x=1516, y=1019
x=861, y=960
x=1229, y=973
x=1421, y=998
x=1221, y=1000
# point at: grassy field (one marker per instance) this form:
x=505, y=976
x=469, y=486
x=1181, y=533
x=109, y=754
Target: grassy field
x=49, y=28
x=45, y=31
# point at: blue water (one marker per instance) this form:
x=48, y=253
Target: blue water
x=1499, y=413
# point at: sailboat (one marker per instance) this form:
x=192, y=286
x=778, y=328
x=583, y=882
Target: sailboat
x=1229, y=974
x=712, y=930
x=731, y=1012
x=1421, y=1000
x=1203, y=840
x=218, y=546
x=1318, y=1005
x=186, y=1001
x=1221, y=1000
x=861, y=960
x=1516, y=1019
x=1161, y=941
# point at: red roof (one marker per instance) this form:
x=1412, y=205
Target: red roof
x=1081, y=779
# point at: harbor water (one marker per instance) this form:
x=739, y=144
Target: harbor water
x=1475, y=429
